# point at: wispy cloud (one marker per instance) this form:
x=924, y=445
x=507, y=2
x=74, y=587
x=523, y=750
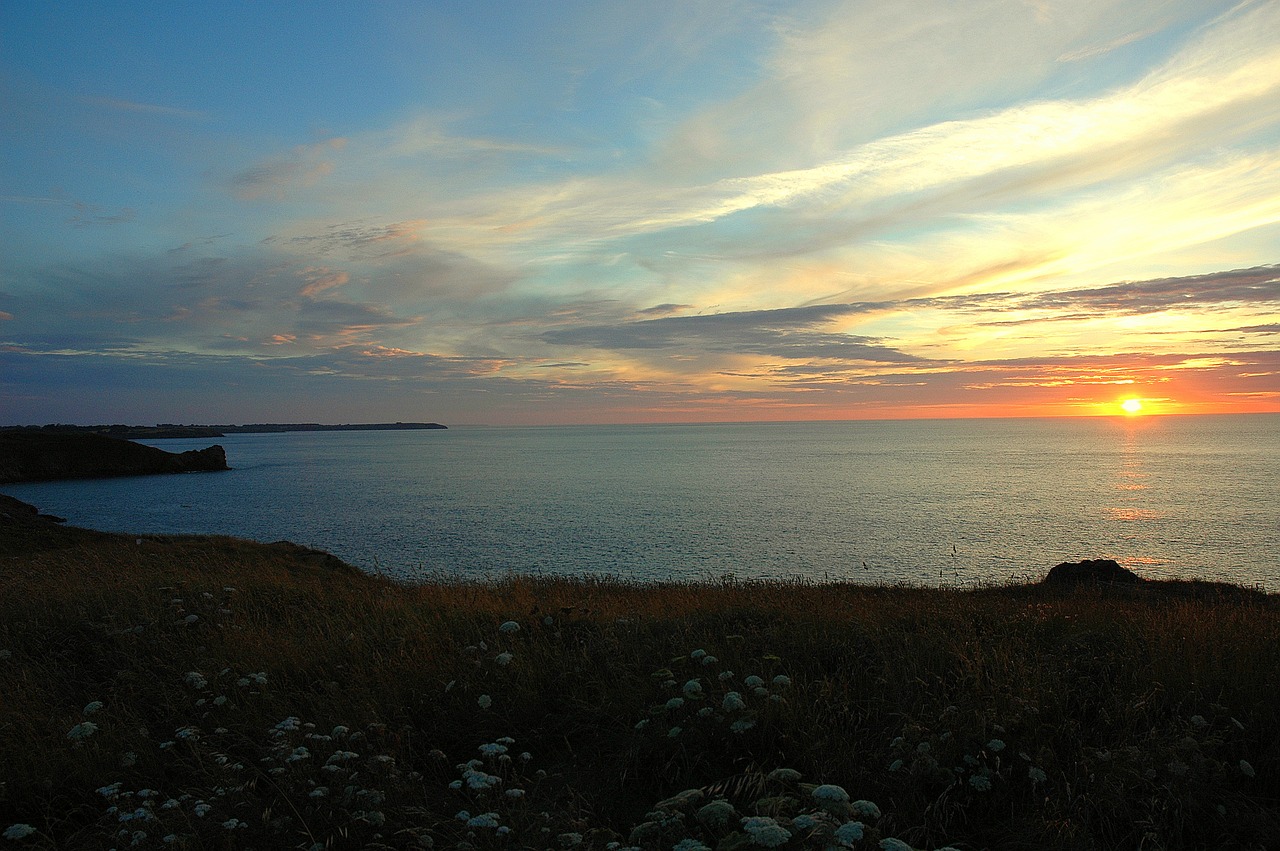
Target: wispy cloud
x=148, y=108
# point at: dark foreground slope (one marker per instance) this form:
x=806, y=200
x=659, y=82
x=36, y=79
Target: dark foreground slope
x=30, y=456
x=220, y=694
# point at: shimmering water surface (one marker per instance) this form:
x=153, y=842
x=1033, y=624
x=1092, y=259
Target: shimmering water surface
x=921, y=502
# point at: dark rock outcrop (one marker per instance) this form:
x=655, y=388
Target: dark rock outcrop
x=27, y=456
x=1092, y=572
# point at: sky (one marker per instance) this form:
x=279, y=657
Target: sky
x=517, y=213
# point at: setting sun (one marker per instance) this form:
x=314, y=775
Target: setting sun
x=1132, y=407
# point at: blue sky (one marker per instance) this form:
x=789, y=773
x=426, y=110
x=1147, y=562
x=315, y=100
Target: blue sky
x=594, y=212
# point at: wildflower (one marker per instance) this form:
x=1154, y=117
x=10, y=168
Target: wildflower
x=190, y=619
x=732, y=702
x=896, y=765
x=568, y=840
x=92, y=707
x=171, y=804
x=187, y=732
x=455, y=785
x=890, y=844
x=514, y=793
x=341, y=756
x=7, y=654
x=724, y=676
x=1246, y=769
x=804, y=821
x=980, y=782
x=289, y=724
x=232, y=824
x=709, y=660
x=1198, y=722
x=642, y=723
x=742, y=725
x=689, y=845
x=526, y=756
x=849, y=833
x=109, y=791
x=782, y=681
x=201, y=809
x=995, y=746
x=830, y=794
x=463, y=815
x=675, y=703
x=717, y=814
x=865, y=809
x=83, y=730
x=692, y=689
x=760, y=691
x=548, y=621
x=673, y=732
x=1036, y=775
x=340, y=731
x=485, y=701
x=480, y=781
x=492, y=749
x=483, y=820
x=299, y=753
x=503, y=659
x=765, y=831
x=698, y=654
x=753, y=681
x=18, y=831
x=509, y=627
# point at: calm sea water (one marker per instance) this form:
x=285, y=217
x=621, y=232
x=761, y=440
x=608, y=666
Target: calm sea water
x=936, y=502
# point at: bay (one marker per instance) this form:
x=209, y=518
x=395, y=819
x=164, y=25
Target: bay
x=922, y=502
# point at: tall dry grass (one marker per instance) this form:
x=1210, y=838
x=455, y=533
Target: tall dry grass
x=262, y=696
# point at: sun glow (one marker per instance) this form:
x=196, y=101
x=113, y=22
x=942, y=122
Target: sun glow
x=1131, y=407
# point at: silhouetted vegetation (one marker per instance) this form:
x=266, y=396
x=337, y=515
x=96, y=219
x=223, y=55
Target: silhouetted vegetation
x=213, y=693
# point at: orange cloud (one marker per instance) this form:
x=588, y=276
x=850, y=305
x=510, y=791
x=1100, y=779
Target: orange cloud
x=321, y=278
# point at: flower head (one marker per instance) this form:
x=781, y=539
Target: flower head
x=765, y=831
x=829, y=793
x=18, y=831
x=849, y=833
x=865, y=809
x=509, y=626
x=891, y=844
x=83, y=730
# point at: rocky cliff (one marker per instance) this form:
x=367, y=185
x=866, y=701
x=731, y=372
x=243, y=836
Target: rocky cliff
x=32, y=457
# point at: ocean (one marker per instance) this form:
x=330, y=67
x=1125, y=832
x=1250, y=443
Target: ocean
x=918, y=502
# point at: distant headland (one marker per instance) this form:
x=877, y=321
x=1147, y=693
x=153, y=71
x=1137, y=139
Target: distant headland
x=164, y=431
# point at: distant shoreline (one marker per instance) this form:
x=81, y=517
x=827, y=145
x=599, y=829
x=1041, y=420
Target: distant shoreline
x=172, y=431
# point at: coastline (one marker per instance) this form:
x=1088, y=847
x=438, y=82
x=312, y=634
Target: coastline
x=181, y=668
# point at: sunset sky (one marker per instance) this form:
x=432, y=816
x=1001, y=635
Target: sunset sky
x=564, y=212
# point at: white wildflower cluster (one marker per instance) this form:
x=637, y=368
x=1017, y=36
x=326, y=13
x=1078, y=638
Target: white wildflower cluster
x=789, y=813
x=494, y=783
x=947, y=756
x=710, y=701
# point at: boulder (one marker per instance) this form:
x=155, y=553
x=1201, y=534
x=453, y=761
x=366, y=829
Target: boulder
x=1092, y=572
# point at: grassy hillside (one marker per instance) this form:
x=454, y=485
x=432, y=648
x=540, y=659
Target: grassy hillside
x=212, y=693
